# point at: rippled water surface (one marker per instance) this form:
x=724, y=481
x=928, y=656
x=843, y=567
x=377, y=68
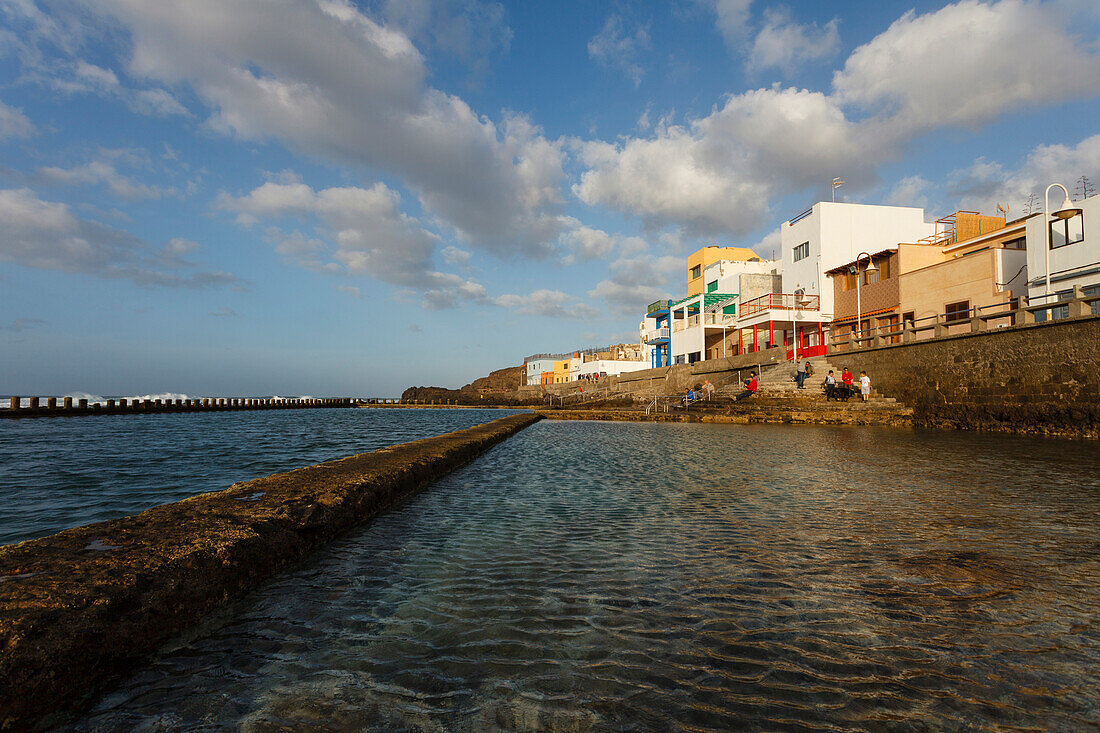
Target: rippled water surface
x=595, y=577
x=57, y=473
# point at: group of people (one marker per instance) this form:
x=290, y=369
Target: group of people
x=590, y=378
x=803, y=369
x=846, y=379
x=705, y=392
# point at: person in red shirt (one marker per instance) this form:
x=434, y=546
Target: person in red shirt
x=750, y=388
x=846, y=377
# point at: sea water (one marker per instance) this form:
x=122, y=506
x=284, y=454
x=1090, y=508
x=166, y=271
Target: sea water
x=588, y=576
x=61, y=472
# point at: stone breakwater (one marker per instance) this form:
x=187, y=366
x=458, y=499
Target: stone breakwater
x=79, y=608
x=902, y=417
x=72, y=408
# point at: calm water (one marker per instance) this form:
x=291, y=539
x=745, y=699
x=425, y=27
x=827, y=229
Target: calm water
x=586, y=576
x=57, y=473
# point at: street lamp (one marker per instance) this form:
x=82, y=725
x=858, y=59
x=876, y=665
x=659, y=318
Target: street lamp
x=803, y=300
x=1067, y=211
x=859, y=311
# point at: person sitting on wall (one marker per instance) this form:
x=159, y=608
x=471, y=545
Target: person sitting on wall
x=750, y=388
x=689, y=397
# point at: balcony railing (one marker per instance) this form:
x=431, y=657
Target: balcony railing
x=781, y=301
x=656, y=334
x=660, y=305
x=719, y=319
x=692, y=321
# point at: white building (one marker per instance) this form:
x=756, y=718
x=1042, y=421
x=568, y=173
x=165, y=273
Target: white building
x=828, y=235
x=1074, y=256
x=536, y=365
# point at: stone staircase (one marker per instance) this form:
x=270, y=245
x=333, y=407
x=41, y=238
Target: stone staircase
x=778, y=396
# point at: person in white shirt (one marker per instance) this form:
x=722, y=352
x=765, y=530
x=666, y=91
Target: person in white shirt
x=864, y=386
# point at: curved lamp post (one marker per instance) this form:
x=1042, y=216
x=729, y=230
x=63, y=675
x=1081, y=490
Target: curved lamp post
x=1067, y=211
x=859, y=312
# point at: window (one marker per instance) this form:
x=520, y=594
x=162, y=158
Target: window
x=802, y=251
x=696, y=271
x=870, y=276
x=731, y=310
x=908, y=318
x=1020, y=243
x=712, y=286
x=884, y=269
x=957, y=311
x=1064, y=232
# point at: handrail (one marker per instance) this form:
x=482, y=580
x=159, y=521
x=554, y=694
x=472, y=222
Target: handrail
x=977, y=318
x=781, y=301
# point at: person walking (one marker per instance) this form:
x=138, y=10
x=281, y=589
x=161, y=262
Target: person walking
x=864, y=386
x=800, y=373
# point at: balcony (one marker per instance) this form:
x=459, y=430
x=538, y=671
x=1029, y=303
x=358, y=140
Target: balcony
x=719, y=319
x=781, y=301
x=655, y=335
x=660, y=306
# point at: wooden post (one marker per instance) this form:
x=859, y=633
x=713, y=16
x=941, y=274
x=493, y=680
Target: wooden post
x=83, y=404
x=51, y=403
x=110, y=404
x=34, y=403
x=15, y=402
x=68, y=403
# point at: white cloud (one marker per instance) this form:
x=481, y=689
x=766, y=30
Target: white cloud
x=586, y=243
x=99, y=172
x=328, y=80
x=910, y=191
x=965, y=64
x=985, y=184
x=718, y=174
x=46, y=235
x=471, y=31
x=732, y=20
x=368, y=231
x=455, y=256
x=637, y=281
x=617, y=48
x=549, y=303
x=968, y=63
x=784, y=44
x=13, y=123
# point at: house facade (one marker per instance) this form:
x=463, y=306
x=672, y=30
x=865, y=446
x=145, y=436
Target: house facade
x=1074, y=257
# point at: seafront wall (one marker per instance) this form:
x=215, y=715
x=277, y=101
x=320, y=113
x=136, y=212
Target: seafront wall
x=68, y=407
x=1042, y=378
x=86, y=605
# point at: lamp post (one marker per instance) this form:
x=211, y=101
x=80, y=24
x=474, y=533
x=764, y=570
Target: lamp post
x=1067, y=211
x=859, y=311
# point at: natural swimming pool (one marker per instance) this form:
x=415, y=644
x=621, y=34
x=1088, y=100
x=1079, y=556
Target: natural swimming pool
x=613, y=576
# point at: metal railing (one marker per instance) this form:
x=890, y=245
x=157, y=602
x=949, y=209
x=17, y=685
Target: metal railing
x=660, y=305
x=781, y=301
x=1053, y=307
x=654, y=334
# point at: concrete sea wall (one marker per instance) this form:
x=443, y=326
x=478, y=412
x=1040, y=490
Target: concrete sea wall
x=81, y=607
x=1042, y=378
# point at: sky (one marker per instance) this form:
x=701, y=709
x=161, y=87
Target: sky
x=331, y=197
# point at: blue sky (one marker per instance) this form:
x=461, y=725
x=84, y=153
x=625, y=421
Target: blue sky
x=338, y=197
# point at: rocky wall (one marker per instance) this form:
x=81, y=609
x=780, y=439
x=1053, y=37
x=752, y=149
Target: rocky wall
x=1042, y=378
x=81, y=607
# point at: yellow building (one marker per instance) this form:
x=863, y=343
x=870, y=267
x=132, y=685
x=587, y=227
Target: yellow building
x=561, y=371
x=700, y=259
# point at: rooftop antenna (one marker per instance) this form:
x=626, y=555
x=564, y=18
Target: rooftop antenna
x=837, y=183
x=1032, y=202
x=1003, y=209
x=1084, y=189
